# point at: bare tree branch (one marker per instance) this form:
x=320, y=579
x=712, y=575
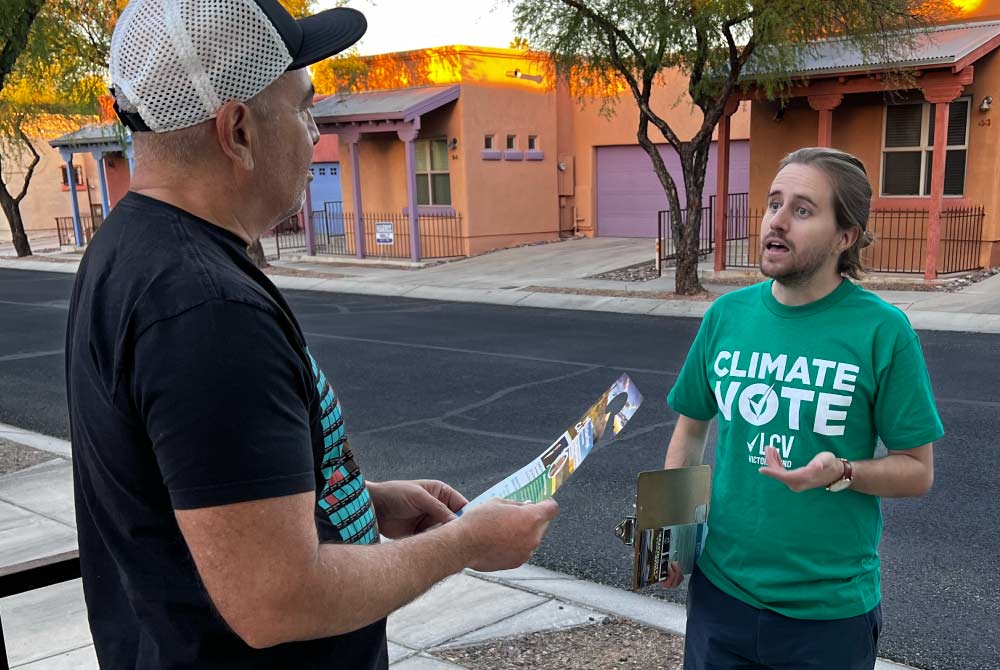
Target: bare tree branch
x=31, y=168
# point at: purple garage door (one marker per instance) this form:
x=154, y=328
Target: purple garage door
x=629, y=194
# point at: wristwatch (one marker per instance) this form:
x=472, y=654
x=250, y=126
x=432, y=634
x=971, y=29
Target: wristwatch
x=845, y=480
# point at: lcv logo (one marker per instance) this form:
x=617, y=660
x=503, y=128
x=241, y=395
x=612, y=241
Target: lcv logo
x=783, y=443
x=795, y=385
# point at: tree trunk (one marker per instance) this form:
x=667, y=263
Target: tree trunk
x=256, y=253
x=12, y=211
x=694, y=162
x=686, y=280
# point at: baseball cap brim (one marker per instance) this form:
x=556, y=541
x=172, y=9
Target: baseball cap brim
x=328, y=33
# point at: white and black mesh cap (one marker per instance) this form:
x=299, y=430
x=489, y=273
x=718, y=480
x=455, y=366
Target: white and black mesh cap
x=175, y=62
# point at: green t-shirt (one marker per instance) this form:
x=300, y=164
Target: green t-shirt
x=834, y=375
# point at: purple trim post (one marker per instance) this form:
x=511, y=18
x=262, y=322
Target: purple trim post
x=307, y=220
x=105, y=199
x=359, y=226
x=67, y=156
x=408, y=136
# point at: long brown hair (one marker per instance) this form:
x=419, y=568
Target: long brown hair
x=852, y=198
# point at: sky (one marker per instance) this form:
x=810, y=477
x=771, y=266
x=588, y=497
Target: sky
x=402, y=25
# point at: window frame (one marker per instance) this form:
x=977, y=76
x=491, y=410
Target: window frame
x=77, y=173
x=924, y=148
x=418, y=145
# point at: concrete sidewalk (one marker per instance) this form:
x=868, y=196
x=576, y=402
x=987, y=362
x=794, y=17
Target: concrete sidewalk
x=557, y=276
x=47, y=629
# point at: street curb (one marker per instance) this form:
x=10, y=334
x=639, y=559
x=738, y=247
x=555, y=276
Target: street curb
x=660, y=614
x=27, y=438
x=693, y=309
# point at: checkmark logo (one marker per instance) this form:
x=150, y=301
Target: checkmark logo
x=752, y=444
x=758, y=406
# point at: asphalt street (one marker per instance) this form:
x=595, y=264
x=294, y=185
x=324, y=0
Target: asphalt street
x=468, y=393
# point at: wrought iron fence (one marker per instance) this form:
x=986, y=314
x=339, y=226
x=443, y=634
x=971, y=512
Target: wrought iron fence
x=900, y=238
x=88, y=226
x=386, y=235
x=738, y=230
x=962, y=239
x=900, y=241
x=742, y=231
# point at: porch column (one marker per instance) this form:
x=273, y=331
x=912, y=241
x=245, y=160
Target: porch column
x=408, y=135
x=307, y=221
x=941, y=96
x=722, y=154
x=130, y=155
x=105, y=200
x=352, y=138
x=67, y=156
x=825, y=104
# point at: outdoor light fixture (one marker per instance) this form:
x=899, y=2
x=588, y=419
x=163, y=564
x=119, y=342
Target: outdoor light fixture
x=779, y=115
x=453, y=144
x=984, y=106
x=517, y=74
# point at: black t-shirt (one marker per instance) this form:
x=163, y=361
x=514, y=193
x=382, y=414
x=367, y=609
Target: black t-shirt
x=190, y=385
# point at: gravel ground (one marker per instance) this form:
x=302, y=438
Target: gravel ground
x=612, y=293
x=641, y=272
x=614, y=644
x=14, y=457
x=647, y=271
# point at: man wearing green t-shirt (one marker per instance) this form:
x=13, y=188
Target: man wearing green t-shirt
x=805, y=373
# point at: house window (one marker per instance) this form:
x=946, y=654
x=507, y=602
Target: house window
x=322, y=172
x=532, y=142
x=511, y=142
x=908, y=143
x=77, y=174
x=333, y=170
x=488, y=143
x=433, y=180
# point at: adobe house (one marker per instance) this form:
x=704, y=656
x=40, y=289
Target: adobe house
x=477, y=149
x=57, y=186
x=929, y=216
x=475, y=146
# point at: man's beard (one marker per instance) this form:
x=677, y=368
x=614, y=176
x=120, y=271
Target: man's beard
x=800, y=271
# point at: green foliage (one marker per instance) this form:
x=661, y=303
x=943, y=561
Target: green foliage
x=606, y=48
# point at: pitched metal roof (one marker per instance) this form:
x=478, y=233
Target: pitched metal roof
x=91, y=135
x=403, y=104
x=939, y=46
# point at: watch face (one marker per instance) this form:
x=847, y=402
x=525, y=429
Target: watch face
x=839, y=485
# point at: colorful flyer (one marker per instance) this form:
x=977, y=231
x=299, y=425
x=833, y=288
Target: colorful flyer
x=542, y=477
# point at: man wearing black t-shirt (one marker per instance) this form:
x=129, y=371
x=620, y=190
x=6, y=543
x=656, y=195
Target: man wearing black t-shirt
x=223, y=520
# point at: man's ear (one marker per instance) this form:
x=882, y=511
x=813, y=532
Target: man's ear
x=235, y=128
x=848, y=238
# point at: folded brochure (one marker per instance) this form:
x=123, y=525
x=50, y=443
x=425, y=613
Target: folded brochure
x=542, y=477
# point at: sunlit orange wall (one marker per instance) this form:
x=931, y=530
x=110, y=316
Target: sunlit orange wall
x=501, y=202
x=509, y=202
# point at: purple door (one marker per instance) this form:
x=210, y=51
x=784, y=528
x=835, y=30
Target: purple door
x=629, y=195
